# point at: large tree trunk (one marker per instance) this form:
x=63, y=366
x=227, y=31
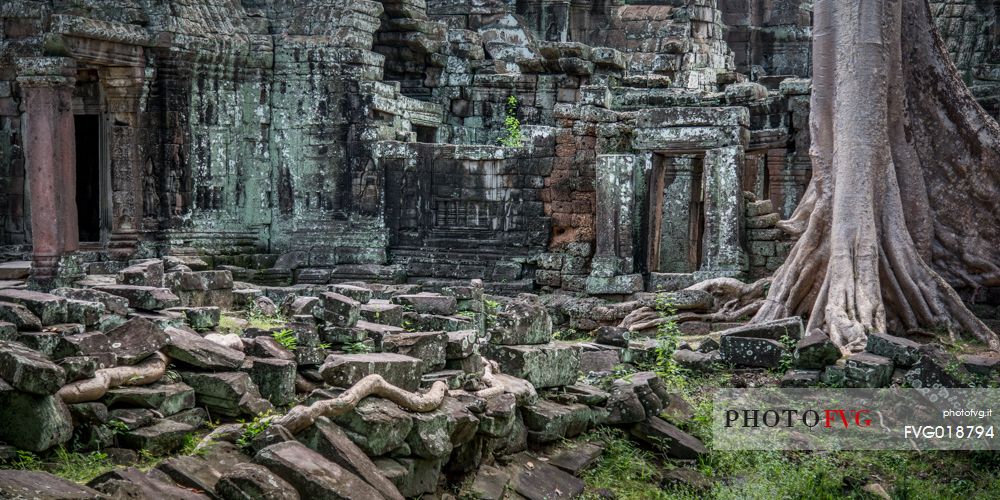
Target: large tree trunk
x=905, y=170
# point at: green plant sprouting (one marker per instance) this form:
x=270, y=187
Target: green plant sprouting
x=251, y=429
x=286, y=338
x=511, y=125
x=667, y=340
x=357, y=348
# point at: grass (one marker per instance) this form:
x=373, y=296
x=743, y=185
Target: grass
x=630, y=472
x=229, y=324
x=81, y=467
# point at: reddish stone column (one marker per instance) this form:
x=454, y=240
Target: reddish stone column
x=46, y=85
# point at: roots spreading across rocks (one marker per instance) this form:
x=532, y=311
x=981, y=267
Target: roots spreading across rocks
x=734, y=300
x=145, y=372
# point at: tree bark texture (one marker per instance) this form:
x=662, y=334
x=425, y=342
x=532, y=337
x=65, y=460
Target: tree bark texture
x=905, y=171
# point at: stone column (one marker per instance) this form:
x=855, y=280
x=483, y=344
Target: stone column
x=614, y=263
x=787, y=185
x=123, y=88
x=50, y=160
x=722, y=253
x=675, y=224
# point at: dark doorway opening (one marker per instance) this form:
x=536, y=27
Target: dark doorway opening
x=425, y=133
x=88, y=175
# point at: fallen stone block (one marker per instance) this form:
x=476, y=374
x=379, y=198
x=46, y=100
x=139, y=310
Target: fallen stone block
x=587, y=394
x=147, y=272
x=133, y=483
x=84, y=312
x=132, y=418
x=113, y=304
x=344, y=370
x=413, y=477
x=382, y=313
x=192, y=349
x=166, y=398
x=33, y=422
x=903, y=352
x=429, y=347
x=340, y=310
x=673, y=441
x=461, y=344
x=267, y=347
x=81, y=367
x=29, y=371
x=252, y=481
x=800, y=378
x=937, y=368
x=203, y=471
x=545, y=365
x=578, y=457
x=296, y=306
x=329, y=440
x=754, y=352
x=377, y=426
x=595, y=358
x=231, y=394
x=868, y=370
x=778, y=329
x=147, y=298
x=612, y=335
x=537, y=480
x=698, y=361
x=815, y=352
x=427, y=303
x=431, y=322
x=136, y=340
x=548, y=421
x=203, y=318
x=342, y=335
x=199, y=281
x=50, y=309
x=195, y=263
x=164, y=436
x=498, y=418
x=274, y=378
x=980, y=365
x=430, y=436
x=624, y=405
x=360, y=294
x=312, y=475
x=19, y=316
x=15, y=270
x=490, y=483
x=520, y=322
x=36, y=484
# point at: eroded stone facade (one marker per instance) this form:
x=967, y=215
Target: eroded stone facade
x=319, y=141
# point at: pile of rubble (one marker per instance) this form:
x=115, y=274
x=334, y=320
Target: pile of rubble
x=147, y=360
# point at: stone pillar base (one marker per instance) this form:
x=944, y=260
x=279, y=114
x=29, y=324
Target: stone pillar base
x=55, y=272
x=622, y=284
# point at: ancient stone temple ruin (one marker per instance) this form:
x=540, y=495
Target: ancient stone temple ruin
x=216, y=210
x=315, y=142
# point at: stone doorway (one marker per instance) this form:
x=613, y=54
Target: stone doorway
x=676, y=214
x=88, y=176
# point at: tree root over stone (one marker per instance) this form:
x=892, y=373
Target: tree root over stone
x=739, y=302
x=301, y=417
x=146, y=372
